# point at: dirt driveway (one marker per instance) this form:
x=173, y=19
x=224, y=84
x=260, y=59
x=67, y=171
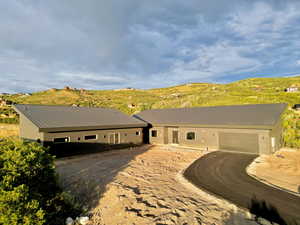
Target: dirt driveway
x=143, y=186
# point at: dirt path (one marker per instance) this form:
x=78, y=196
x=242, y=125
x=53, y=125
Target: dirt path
x=143, y=186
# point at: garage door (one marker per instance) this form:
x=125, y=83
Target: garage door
x=239, y=142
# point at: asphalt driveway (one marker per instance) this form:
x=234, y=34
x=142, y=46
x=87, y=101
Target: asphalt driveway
x=224, y=174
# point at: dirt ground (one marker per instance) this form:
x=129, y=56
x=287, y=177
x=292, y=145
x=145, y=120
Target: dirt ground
x=281, y=169
x=7, y=130
x=144, y=186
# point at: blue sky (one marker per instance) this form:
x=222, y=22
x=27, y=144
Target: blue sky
x=97, y=44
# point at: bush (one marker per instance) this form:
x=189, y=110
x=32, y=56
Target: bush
x=14, y=120
x=29, y=191
x=291, y=129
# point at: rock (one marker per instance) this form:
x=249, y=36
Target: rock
x=263, y=221
x=176, y=95
x=69, y=221
x=131, y=106
x=82, y=220
x=248, y=215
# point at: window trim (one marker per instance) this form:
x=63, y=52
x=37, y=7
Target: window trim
x=138, y=133
x=186, y=136
x=89, y=139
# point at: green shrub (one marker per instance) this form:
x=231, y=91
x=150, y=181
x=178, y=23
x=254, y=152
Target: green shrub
x=29, y=192
x=14, y=120
x=291, y=129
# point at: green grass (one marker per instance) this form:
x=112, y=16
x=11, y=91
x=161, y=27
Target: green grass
x=249, y=91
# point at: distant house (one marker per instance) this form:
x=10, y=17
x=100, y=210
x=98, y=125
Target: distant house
x=67, y=124
x=296, y=107
x=291, y=89
x=241, y=128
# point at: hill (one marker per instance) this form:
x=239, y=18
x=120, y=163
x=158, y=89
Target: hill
x=130, y=101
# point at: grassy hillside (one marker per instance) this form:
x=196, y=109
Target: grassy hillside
x=250, y=91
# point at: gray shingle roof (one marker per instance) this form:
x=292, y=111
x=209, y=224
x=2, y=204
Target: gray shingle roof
x=60, y=118
x=259, y=115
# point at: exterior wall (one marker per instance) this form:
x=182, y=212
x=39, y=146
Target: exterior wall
x=208, y=138
x=277, y=134
x=204, y=137
x=166, y=135
x=161, y=135
x=28, y=130
x=264, y=143
x=126, y=136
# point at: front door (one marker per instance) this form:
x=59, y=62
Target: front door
x=117, y=138
x=175, y=137
x=114, y=138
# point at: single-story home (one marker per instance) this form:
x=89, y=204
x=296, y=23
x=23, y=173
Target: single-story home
x=63, y=124
x=242, y=128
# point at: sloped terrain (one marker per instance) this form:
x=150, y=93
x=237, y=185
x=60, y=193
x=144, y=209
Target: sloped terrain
x=250, y=91
x=130, y=101
x=143, y=186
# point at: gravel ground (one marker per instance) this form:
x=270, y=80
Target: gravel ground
x=144, y=186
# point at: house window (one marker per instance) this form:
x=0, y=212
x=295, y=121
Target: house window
x=190, y=135
x=90, y=137
x=137, y=133
x=154, y=133
x=61, y=140
x=104, y=136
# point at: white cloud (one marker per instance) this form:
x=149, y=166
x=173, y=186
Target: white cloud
x=91, y=76
x=112, y=44
x=214, y=61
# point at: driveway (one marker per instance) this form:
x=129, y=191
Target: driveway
x=224, y=174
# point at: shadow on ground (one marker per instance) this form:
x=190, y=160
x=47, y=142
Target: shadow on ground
x=61, y=150
x=87, y=176
x=262, y=209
